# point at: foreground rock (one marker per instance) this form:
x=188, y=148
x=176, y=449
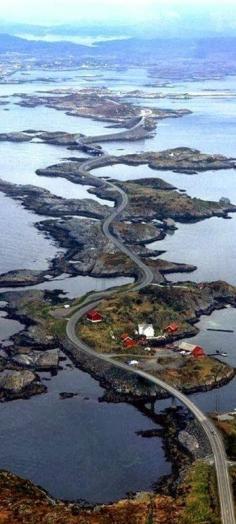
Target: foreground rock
x=38, y=360
x=43, y=202
x=22, y=502
x=90, y=253
x=19, y=384
x=150, y=203
x=21, y=277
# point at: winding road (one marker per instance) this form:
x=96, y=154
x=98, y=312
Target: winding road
x=145, y=278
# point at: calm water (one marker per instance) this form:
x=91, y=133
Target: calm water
x=81, y=448
x=8, y=328
x=208, y=245
x=222, y=399
x=77, y=286
x=18, y=163
x=22, y=245
x=211, y=127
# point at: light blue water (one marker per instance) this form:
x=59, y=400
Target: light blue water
x=22, y=245
x=74, y=287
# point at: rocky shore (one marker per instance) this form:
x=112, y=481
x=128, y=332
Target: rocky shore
x=19, y=384
x=31, y=351
x=99, y=104
x=36, y=347
x=21, y=499
x=181, y=160
x=182, y=305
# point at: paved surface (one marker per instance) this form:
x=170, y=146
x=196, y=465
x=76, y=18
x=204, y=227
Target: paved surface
x=145, y=278
x=135, y=132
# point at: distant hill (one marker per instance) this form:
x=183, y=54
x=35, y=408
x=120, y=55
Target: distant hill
x=133, y=50
x=9, y=43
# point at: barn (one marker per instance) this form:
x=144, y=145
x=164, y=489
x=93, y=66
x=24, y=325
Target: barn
x=191, y=349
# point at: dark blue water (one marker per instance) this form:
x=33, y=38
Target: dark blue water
x=80, y=448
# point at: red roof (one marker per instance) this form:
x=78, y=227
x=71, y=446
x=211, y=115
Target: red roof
x=198, y=351
x=172, y=327
x=94, y=316
x=125, y=336
x=129, y=343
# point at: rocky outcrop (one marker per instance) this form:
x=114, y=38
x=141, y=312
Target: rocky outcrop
x=22, y=502
x=38, y=360
x=137, y=233
x=181, y=160
x=188, y=441
x=71, y=171
x=21, y=277
x=43, y=202
x=90, y=253
x=19, y=384
x=149, y=203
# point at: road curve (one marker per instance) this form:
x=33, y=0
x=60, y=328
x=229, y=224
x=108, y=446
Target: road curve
x=145, y=278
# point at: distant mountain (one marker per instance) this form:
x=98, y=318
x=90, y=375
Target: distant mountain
x=134, y=50
x=72, y=30
x=9, y=43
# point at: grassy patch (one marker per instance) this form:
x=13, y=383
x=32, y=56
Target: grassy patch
x=201, y=503
x=228, y=429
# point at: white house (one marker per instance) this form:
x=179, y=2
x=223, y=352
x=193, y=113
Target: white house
x=146, y=330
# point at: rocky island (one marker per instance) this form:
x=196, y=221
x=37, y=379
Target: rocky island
x=102, y=241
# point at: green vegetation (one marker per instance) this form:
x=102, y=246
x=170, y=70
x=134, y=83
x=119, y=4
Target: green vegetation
x=194, y=372
x=124, y=312
x=159, y=306
x=168, y=203
x=233, y=478
x=201, y=503
x=40, y=312
x=228, y=429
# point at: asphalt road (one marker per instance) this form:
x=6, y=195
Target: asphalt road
x=145, y=278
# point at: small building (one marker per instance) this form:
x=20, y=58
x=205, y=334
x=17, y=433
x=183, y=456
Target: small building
x=172, y=328
x=186, y=346
x=124, y=336
x=129, y=343
x=133, y=363
x=191, y=349
x=146, y=330
x=94, y=316
x=198, y=352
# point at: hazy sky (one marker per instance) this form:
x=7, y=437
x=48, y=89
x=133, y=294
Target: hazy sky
x=163, y=14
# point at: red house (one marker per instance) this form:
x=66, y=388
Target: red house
x=198, y=352
x=172, y=328
x=125, y=336
x=94, y=316
x=128, y=341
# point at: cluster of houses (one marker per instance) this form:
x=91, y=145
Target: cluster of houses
x=146, y=332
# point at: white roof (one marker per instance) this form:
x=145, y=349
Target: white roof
x=144, y=329
x=185, y=346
